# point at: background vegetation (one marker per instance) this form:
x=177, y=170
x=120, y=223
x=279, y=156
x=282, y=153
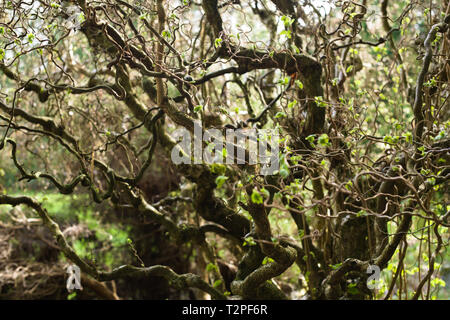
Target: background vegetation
x=91, y=92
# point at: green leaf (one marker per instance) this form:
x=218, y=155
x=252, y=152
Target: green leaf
x=320, y=102
x=249, y=241
x=284, y=81
x=299, y=84
x=198, y=108
x=361, y=213
x=81, y=17
x=211, y=267
x=267, y=260
x=408, y=137
x=422, y=150
x=388, y=139
x=218, y=168
x=30, y=37
x=292, y=104
x=349, y=185
x=351, y=288
x=286, y=33
x=166, y=34
x=440, y=136
x=217, y=283
x=324, y=140
x=288, y=21
x=310, y=139
x=71, y=296
x=265, y=192
x=335, y=266
x=220, y=180
x=256, y=197
x=284, y=172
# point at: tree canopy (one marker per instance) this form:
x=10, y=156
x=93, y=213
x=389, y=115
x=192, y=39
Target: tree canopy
x=111, y=110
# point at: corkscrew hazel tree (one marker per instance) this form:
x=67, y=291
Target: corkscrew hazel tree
x=362, y=113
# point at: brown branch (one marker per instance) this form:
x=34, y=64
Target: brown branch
x=418, y=108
